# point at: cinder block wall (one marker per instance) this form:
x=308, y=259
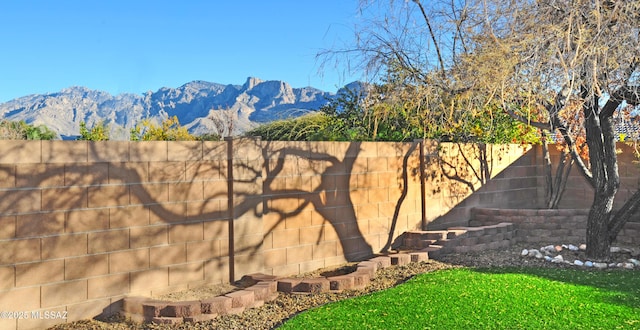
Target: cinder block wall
x=455, y=181
x=328, y=203
x=579, y=194
x=82, y=224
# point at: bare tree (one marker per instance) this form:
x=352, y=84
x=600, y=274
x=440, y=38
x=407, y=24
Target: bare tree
x=569, y=60
x=566, y=67
x=224, y=121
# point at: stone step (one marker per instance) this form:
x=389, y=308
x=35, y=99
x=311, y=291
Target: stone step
x=433, y=251
x=413, y=243
x=456, y=232
x=427, y=234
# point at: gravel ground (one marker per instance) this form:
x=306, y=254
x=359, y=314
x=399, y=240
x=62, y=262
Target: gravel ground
x=273, y=313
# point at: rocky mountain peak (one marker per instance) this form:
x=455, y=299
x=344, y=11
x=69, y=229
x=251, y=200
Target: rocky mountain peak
x=194, y=103
x=251, y=83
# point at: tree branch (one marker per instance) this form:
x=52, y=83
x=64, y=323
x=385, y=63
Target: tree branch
x=433, y=37
x=622, y=216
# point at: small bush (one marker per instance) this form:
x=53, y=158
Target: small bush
x=99, y=132
x=20, y=130
x=169, y=130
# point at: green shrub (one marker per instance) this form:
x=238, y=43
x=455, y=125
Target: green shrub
x=20, y=130
x=169, y=130
x=99, y=132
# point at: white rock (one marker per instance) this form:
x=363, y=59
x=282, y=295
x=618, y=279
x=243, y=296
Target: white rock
x=635, y=262
x=535, y=253
x=524, y=252
x=613, y=264
x=628, y=265
x=582, y=247
x=600, y=265
x=588, y=263
x=614, y=249
x=565, y=246
x=549, y=248
x=578, y=263
x=548, y=258
x=573, y=247
x=557, y=259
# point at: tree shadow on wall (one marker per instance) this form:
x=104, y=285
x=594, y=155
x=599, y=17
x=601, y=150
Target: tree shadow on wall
x=124, y=225
x=459, y=175
x=330, y=197
x=406, y=170
x=137, y=212
x=339, y=196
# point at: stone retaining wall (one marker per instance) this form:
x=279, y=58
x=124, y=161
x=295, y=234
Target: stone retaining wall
x=552, y=226
x=460, y=239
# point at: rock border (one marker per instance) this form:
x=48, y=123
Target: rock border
x=266, y=288
x=551, y=253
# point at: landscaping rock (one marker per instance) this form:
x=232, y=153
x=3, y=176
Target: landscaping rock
x=548, y=249
x=535, y=253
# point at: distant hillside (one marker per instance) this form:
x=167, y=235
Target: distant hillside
x=197, y=105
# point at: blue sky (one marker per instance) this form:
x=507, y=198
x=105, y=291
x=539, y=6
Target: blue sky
x=138, y=45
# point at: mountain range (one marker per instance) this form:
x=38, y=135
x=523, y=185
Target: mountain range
x=201, y=106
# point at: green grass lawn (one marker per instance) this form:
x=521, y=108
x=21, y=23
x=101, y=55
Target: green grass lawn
x=503, y=298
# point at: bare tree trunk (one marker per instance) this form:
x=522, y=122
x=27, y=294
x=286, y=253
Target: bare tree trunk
x=598, y=242
x=555, y=187
x=606, y=180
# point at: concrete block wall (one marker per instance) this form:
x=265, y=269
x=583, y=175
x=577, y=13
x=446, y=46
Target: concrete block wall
x=579, y=194
x=454, y=184
x=328, y=203
x=83, y=224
